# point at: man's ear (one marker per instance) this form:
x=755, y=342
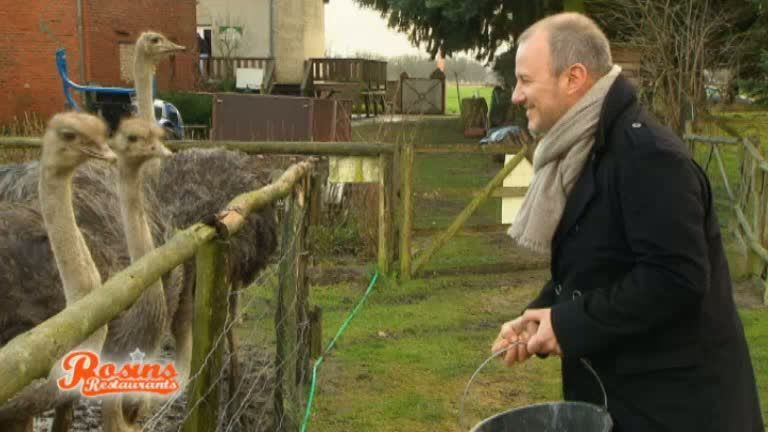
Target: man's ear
x=578, y=78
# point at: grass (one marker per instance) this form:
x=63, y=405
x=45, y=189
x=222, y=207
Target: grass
x=403, y=363
x=452, y=99
x=411, y=340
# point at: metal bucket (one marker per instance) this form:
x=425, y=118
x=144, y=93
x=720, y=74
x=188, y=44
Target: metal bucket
x=545, y=417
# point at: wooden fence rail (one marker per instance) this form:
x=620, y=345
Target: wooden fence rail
x=748, y=199
x=270, y=147
x=396, y=163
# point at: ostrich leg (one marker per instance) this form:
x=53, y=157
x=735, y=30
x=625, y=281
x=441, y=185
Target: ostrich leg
x=65, y=415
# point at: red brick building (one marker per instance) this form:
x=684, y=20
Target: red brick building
x=98, y=36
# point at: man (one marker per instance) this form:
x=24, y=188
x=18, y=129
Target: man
x=640, y=287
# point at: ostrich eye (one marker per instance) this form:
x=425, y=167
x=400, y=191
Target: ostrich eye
x=132, y=138
x=67, y=135
x=155, y=40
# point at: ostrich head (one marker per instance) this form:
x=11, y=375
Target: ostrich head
x=137, y=141
x=71, y=138
x=154, y=47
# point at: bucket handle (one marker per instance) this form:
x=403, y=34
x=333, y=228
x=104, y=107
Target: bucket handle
x=584, y=362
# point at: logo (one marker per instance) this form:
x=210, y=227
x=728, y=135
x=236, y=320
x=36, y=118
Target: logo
x=95, y=378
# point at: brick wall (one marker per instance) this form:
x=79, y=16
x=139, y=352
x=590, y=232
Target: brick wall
x=110, y=23
x=31, y=33
x=29, y=36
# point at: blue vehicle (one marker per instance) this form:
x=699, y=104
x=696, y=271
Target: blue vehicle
x=114, y=103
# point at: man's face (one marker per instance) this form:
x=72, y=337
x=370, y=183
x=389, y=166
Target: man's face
x=541, y=93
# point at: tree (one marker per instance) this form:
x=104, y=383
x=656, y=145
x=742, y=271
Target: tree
x=453, y=26
x=683, y=42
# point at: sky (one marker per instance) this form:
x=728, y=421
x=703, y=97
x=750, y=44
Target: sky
x=350, y=29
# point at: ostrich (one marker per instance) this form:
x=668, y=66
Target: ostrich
x=29, y=235
x=136, y=142
x=151, y=48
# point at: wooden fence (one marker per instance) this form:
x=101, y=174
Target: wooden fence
x=224, y=67
x=19, y=366
x=748, y=198
x=411, y=265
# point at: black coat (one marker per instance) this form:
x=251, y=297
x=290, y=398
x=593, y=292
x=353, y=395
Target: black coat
x=640, y=285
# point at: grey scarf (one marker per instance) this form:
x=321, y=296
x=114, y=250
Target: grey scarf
x=557, y=163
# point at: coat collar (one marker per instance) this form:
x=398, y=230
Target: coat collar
x=620, y=96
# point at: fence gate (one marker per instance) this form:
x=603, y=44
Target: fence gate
x=423, y=96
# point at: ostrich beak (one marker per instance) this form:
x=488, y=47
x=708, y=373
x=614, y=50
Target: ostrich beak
x=163, y=151
x=172, y=48
x=101, y=151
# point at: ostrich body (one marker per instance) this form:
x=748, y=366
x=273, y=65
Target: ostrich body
x=70, y=139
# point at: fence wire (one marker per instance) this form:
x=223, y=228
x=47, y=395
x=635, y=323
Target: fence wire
x=251, y=406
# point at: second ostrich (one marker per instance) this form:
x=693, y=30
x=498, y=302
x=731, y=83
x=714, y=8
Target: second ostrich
x=136, y=142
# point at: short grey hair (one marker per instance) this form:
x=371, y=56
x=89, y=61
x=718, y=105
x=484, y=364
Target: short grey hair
x=574, y=38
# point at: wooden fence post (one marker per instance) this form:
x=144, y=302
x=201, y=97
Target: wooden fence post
x=212, y=289
x=751, y=197
x=385, y=213
x=406, y=209
x=291, y=314
x=303, y=335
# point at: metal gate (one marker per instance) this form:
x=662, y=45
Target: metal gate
x=423, y=96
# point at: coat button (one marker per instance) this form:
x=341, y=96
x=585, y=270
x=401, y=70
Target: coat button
x=558, y=289
x=576, y=228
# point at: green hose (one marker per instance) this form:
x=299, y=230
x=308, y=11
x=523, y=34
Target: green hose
x=330, y=347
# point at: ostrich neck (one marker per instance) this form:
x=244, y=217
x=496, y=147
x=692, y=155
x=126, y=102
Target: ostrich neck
x=151, y=307
x=78, y=272
x=143, y=71
x=137, y=231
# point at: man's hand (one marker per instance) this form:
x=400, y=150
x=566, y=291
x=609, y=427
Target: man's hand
x=513, y=332
x=544, y=340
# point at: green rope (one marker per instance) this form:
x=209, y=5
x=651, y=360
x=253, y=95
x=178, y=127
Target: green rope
x=330, y=347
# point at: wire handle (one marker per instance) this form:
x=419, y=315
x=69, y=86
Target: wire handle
x=584, y=362
x=477, y=371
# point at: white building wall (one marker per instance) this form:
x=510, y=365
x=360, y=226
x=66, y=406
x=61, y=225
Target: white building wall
x=298, y=31
x=251, y=15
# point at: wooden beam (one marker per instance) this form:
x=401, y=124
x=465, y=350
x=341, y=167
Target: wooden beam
x=484, y=269
x=256, y=147
x=212, y=289
x=385, y=213
x=500, y=192
x=443, y=237
x=755, y=153
x=489, y=149
x=721, y=166
x=711, y=139
x=489, y=228
x=406, y=209
x=511, y=192
x=287, y=321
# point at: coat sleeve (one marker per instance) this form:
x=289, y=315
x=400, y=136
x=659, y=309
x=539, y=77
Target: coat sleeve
x=546, y=297
x=663, y=199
